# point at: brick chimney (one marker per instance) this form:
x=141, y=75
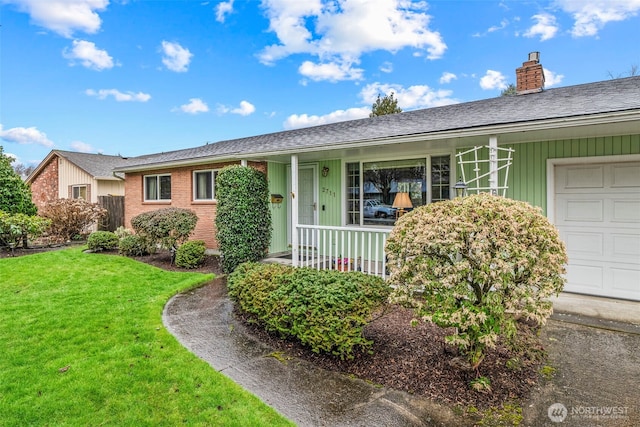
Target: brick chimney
x=530, y=77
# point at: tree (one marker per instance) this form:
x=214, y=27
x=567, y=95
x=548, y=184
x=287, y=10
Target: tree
x=15, y=194
x=384, y=106
x=23, y=170
x=509, y=90
x=633, y=71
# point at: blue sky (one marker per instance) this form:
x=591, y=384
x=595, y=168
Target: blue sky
x=135, y=77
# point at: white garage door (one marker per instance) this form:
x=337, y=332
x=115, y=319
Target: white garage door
x=597, y=211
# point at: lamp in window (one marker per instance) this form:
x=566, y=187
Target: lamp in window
x=461, y=188
x=401, y=202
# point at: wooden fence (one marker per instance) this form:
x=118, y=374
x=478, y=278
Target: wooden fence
x=115, y=212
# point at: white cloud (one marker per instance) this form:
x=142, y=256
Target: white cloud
x=119, y=96
x=244, y=109
x=88, y=55
x=176, y=58
x=339, y=32
x=63, y=16
x=592, y=15
x=21, y=135
x=223, y=9
x=296, y=121
x=551, y=78
x=330, y=71
x=411, y=98
x=546, y=27
x=386, y=67
x=447, y=77
x=493, y=80
x=195, y=106
x=503, y=24
x=82, y=147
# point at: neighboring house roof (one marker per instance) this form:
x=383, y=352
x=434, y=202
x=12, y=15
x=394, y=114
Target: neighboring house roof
x=99, y=166
x=609, y=97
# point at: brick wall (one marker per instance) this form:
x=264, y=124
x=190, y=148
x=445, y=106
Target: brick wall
x=44, y=187
x=181, y=197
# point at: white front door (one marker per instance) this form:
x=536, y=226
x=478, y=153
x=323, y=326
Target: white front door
x=597, y=211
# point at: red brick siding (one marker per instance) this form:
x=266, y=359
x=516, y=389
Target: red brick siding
x=181, y=197
x=44, y=187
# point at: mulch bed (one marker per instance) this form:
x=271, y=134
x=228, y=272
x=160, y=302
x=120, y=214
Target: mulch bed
x=414, y=359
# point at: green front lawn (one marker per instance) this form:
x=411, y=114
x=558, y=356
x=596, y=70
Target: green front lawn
x=82, y=343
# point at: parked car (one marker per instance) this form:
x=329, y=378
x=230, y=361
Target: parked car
x=375, y=209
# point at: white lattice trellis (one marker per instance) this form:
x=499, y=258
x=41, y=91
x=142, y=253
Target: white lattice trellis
x=496, y=164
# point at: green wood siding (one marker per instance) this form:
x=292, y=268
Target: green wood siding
x=528, y=173
x=330, y=193
x=277, y=176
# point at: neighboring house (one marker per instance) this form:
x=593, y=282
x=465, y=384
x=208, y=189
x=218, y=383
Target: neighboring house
x=72, y=175
x=575, y=153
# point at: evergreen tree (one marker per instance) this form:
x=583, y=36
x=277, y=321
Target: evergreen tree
x=15, y=194
x=384, y=106
x=509, y=90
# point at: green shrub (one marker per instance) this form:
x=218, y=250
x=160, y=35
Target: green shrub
x=190, y=254
x=122, y=232
x=134, y=245
x=71, y=217
x=18, y=228
x=243, y=217
x=102, y=241
x=167, y=227
x=476, y=264
x=323, y=309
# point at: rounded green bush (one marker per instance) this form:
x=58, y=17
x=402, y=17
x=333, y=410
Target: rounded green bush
x=190, y=254
x=133, y=245
x=167, y=227
x=102, y=241
x=323, y=309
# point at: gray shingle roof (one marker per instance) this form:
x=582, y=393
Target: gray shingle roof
x=572, y=101
x=96, y=165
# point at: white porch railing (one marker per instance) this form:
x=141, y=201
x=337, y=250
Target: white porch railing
x=342, y=248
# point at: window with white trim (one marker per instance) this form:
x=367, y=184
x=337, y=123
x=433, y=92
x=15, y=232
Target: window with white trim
x=204, y=184
x=79, y=192
x=374, y=187
x=157, y=187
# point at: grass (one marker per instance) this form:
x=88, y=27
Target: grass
x=82, y=343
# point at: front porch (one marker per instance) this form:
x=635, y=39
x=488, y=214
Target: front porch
x=338, y=248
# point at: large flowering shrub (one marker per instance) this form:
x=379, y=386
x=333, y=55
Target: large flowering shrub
x=71, y=218
x=476, y=264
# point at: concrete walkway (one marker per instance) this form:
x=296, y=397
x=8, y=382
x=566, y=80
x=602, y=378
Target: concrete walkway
x=597, y=362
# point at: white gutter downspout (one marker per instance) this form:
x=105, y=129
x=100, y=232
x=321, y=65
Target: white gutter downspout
x=243, y=163
x=493, y=164
x=294, y=209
